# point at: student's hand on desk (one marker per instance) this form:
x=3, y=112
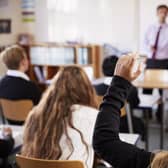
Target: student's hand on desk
x=7, y=131
x=125, y=67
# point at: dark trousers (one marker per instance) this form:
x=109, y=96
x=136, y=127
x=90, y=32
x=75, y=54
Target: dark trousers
x=157, y=64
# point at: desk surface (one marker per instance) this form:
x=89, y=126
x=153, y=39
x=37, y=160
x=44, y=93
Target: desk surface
x=153, y=79
x=18, y=136
x=150, y=85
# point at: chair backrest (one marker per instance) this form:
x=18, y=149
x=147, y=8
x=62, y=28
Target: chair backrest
x=24, y=162
x=99, y=99
x=16, y=110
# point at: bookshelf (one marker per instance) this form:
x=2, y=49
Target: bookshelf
x=47, y=58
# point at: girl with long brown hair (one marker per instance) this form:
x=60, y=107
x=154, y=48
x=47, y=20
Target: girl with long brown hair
x=61, y=125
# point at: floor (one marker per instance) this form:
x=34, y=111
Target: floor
x=154, y=137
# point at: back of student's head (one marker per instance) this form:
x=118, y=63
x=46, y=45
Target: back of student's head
x=48, y=121
x=12, y=57
x=109, y=64
x=160, y=160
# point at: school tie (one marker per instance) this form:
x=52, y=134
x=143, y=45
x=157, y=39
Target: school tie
x=156, y=43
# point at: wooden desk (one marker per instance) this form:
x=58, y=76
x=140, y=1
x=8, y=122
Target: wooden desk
x=154, y=78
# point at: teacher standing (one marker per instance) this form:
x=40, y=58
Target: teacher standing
x=156, y=41
x=156, y=47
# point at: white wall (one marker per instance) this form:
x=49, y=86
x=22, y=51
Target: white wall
x=98, y=21
x=41, y=24
x=11, y=11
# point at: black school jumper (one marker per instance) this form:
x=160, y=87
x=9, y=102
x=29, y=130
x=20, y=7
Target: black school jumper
x=17, y=88
x=106, y=140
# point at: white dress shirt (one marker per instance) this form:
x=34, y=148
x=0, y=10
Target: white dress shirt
x=16, y=73
x=84, y=119
x=150, y=39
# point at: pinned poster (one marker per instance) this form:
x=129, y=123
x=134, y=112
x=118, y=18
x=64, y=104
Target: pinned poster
x=28, y=10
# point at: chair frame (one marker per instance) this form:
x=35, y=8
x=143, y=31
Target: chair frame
x=10, y=110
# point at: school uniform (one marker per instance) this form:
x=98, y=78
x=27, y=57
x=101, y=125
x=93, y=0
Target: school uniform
x=83, y=118
x=133, y=101
x=106, y=141
x=16, y=85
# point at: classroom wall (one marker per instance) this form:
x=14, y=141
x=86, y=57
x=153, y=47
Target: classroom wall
x=41, y=24
x=120, y=23
x=11, y=11
x=97, y=21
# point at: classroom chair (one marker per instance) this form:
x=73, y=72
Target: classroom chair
x=15, y=110
x=24, y=162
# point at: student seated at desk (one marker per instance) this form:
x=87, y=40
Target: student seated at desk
x=106, y=141
x=108, y=68
x=6, y=146
x=16, y=85
x=61, y=125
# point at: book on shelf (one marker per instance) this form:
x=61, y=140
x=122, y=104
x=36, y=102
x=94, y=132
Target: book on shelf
x=83, y=56
x=39, y=74
x=52, y=56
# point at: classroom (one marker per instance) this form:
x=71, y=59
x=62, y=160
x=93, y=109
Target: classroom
x=83, y=83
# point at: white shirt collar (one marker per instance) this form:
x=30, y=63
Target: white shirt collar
x=107, y=80
x=16, y=73
x=163, y=25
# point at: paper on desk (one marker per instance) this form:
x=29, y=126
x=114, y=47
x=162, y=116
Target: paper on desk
x=149, y=100
x=18, y=137
x=129, y=138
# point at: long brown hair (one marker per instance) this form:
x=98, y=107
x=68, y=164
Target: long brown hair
x=48, y=121
x=160, y=160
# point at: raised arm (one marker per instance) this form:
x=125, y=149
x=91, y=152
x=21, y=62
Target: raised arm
x=106, y=140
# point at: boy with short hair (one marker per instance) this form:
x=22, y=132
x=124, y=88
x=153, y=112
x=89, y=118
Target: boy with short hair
x=16, y=85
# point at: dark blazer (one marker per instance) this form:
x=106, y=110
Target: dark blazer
x=16, y=88
x=106, y=141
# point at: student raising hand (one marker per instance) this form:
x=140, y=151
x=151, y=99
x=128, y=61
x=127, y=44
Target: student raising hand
x=106, y=141
x=128, y=67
